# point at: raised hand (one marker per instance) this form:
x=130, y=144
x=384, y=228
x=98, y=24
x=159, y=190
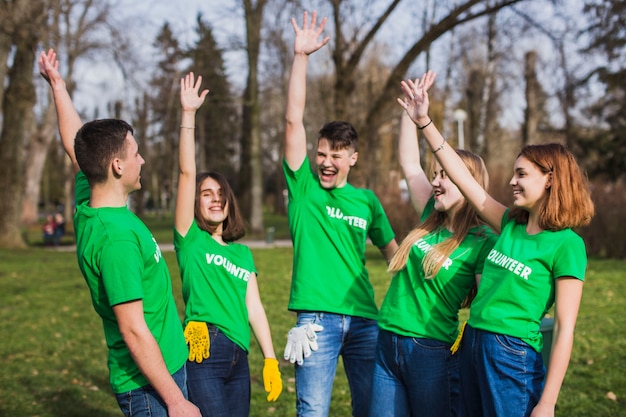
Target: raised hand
x=415, y=100
x=49, y=68
x=190, y=100
x=307, y=39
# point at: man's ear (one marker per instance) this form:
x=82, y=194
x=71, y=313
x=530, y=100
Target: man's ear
x=116, y=167
x=353, y=158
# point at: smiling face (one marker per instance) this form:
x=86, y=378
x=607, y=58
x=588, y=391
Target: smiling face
x=529, y=185
x=213, y=208
x=333, y=165
x=447, y=196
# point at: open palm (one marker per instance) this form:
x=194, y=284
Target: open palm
x=307, y=39
x=190, y=100
x=415, y=100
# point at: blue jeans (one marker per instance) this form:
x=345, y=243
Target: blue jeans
x=145, y=402
x=354, y=338
x=500, y=375
x=220, y=384
x=414, y=377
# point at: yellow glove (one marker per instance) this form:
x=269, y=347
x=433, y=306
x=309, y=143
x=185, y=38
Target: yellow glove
x=457, y=342
x=271, y=379
x=197, y=337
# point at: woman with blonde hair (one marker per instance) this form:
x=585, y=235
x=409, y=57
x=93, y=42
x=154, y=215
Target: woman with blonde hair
x=436, y=269
x=537, y=262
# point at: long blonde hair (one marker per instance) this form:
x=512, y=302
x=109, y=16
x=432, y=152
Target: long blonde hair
x=465, y=219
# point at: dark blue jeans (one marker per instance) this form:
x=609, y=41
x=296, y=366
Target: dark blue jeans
x=220, y=384
x=500, y=375
x=414, y=377
x=354, y=338
x=145, y=402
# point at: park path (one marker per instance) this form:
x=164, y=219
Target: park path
x=169, y=247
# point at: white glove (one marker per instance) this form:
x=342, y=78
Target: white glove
x=301, y=340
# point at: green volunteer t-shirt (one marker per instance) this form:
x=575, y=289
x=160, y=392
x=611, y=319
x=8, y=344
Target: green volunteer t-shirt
x=428, y=308
x=329, y=229
x=121, y=261
x=517, y=286
x=215, y=281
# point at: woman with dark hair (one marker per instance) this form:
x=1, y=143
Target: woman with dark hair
x=219, y=282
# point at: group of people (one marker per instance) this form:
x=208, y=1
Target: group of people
x=53, y=229
x=509, y=265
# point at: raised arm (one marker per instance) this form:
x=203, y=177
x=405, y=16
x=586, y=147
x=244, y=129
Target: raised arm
x=67, y=116
x=306, y=42
x=416, y=103
x=417, y=181
x=190, y=101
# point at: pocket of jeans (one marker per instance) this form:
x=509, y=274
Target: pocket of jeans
x=430, y=344
x=123, y=401
x=370, y=321
x=514, y=345
x=306, y=318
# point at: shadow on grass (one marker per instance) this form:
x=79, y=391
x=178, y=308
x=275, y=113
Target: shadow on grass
x=67, y=400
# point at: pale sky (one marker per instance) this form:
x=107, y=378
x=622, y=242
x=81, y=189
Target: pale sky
x=145, y=18
x=100, y=81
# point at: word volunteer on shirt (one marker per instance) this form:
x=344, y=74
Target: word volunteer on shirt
x=231, y=268
x=427, y=247
x=336, y=213
x=511, y=264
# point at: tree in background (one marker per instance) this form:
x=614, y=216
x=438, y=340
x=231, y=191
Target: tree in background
x=217, y=129
x=162, y=139
x=600, y=139
x=350, y=42
x=251, y=170
x=70, y=28
x=21, y=21
x=602, y=147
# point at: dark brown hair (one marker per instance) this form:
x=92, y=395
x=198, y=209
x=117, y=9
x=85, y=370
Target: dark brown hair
x=97, y=143
x=233, y=227
x=341, y=135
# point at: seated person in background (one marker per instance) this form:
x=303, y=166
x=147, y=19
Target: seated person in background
x=49, y=228
x=59, y=228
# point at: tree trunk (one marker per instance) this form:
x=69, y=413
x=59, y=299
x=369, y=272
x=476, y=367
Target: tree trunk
x=36, y=155
x=68, y=193
x=486, y=96
x=18, y=103
x=5, y=47
x=531, y=119
x=251, y=174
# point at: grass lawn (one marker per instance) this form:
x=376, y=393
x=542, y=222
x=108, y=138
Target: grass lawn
x=53, y=355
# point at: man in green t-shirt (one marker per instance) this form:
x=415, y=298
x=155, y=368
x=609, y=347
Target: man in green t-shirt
x=330, y=222
x=128, y=278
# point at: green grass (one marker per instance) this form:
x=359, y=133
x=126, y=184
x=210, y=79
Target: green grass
x=53, y=356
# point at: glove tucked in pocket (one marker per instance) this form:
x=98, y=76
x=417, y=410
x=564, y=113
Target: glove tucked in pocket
x=197, y=337
x=301, y=340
